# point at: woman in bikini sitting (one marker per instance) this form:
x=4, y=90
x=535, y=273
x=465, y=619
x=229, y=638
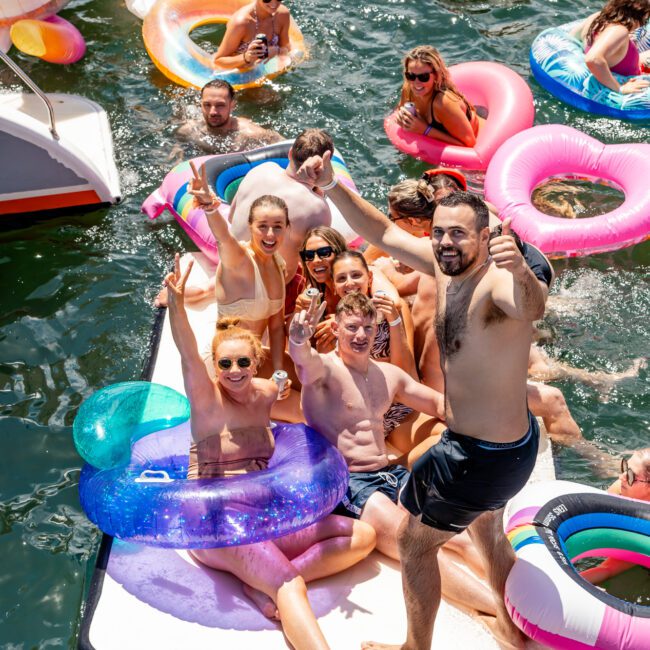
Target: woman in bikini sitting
x=239, y=47
x=442, y=111
x=608, y=48
x=231, y=434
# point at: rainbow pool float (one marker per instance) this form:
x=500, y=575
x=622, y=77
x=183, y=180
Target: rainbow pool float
x=166, y=31
x=34, y=29
x=224, y=173
x=553, y=524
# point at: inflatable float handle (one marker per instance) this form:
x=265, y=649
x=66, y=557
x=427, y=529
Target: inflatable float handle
x=154, y=476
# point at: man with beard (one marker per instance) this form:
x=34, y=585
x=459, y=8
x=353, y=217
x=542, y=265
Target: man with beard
x=218, y=131
x=487, y=300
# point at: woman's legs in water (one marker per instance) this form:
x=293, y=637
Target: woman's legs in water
x=265, y=568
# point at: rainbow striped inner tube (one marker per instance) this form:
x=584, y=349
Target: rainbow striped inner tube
x=557, y=60
x=225, y=172
x=554, y=524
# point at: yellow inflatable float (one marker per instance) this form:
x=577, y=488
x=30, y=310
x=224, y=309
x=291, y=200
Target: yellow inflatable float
x=166, y=31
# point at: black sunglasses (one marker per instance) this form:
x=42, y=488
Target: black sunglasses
x=629, y=473
x=323, y=253
x=267, y=1
x=226, y=363
x=423, y=76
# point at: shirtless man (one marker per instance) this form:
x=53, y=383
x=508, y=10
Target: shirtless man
x=218, y=131
x=344, y=394
x=487, y=301
x=307, y=205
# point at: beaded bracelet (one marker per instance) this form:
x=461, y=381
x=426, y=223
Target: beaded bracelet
x=427, y=130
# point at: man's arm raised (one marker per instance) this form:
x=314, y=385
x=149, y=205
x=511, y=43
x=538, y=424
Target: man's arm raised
x=309, y=363
x=365, y=219
x=520, y=296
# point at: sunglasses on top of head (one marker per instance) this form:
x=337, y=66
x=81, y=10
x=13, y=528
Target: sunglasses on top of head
x=226, y=363
x=323, y=253
x=423, y=76
x=629, y=473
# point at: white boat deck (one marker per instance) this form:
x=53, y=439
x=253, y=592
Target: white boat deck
x=153, y=598
x=85, y=145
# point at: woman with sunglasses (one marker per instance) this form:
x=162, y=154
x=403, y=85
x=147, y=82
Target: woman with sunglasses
x=319, y=248
x=240, y=48
x=440, y=110
x=231, y=434
x=608, y=47
x=633, y=483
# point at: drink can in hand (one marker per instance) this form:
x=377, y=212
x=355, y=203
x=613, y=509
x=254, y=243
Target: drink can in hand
x=265, y=42
x=314, y=295
x=380, y=294
x=410, y=107
x=280, y=378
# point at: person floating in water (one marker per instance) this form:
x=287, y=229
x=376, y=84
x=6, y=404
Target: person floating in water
x=218, y=130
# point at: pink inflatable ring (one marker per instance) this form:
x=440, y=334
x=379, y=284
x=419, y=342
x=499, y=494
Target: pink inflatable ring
x=553, y=151
x=509, y=104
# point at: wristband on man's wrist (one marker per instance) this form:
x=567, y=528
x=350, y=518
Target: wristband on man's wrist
x=331, y=185
x=427, y=130
x=395, y=322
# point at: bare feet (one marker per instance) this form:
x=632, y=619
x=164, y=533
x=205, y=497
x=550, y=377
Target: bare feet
x=263, y=602
x=374, y=645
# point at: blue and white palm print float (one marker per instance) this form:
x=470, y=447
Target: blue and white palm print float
x=558, y=62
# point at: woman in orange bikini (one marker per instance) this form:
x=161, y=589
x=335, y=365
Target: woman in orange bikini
x=441, y=110
x=231, y=435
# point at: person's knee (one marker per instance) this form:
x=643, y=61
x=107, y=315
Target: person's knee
x=292, y=588
x=417, y=539
x=364, y=537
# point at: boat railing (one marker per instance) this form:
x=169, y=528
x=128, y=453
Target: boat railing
x=28, y=82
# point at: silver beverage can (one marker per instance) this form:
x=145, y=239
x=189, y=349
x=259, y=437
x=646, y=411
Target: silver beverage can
x=280, y=378
x=380, y=293
x=410, y=107
x=313, y=294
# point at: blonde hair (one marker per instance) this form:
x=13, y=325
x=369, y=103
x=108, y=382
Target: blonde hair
x=228, y=330
x=412, y=198
x=428, y=55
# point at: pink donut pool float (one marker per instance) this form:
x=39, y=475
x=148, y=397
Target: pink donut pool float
x=553, y=151
x=493, y=86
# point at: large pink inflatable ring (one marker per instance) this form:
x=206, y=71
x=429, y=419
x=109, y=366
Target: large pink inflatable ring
x=553, y=151
x=492, y=86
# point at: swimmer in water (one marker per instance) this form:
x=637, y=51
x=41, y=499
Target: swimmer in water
x=218, y=130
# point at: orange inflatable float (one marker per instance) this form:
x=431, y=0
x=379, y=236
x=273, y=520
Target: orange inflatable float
x=166, y=31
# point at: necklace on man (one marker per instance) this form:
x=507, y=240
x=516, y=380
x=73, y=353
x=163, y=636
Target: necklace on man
x=464, y=280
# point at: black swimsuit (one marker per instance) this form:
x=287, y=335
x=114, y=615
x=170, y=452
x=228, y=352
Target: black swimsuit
x=434, y=124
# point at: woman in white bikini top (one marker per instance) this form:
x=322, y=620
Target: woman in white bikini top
x=250, y=279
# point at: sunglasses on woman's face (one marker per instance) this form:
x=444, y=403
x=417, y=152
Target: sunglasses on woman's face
x=323, y=253
x=226, y=363
x=629, y=473
x=423, y=76
x=267, y=1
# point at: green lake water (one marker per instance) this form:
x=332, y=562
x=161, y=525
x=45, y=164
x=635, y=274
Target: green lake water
x=77, y=290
